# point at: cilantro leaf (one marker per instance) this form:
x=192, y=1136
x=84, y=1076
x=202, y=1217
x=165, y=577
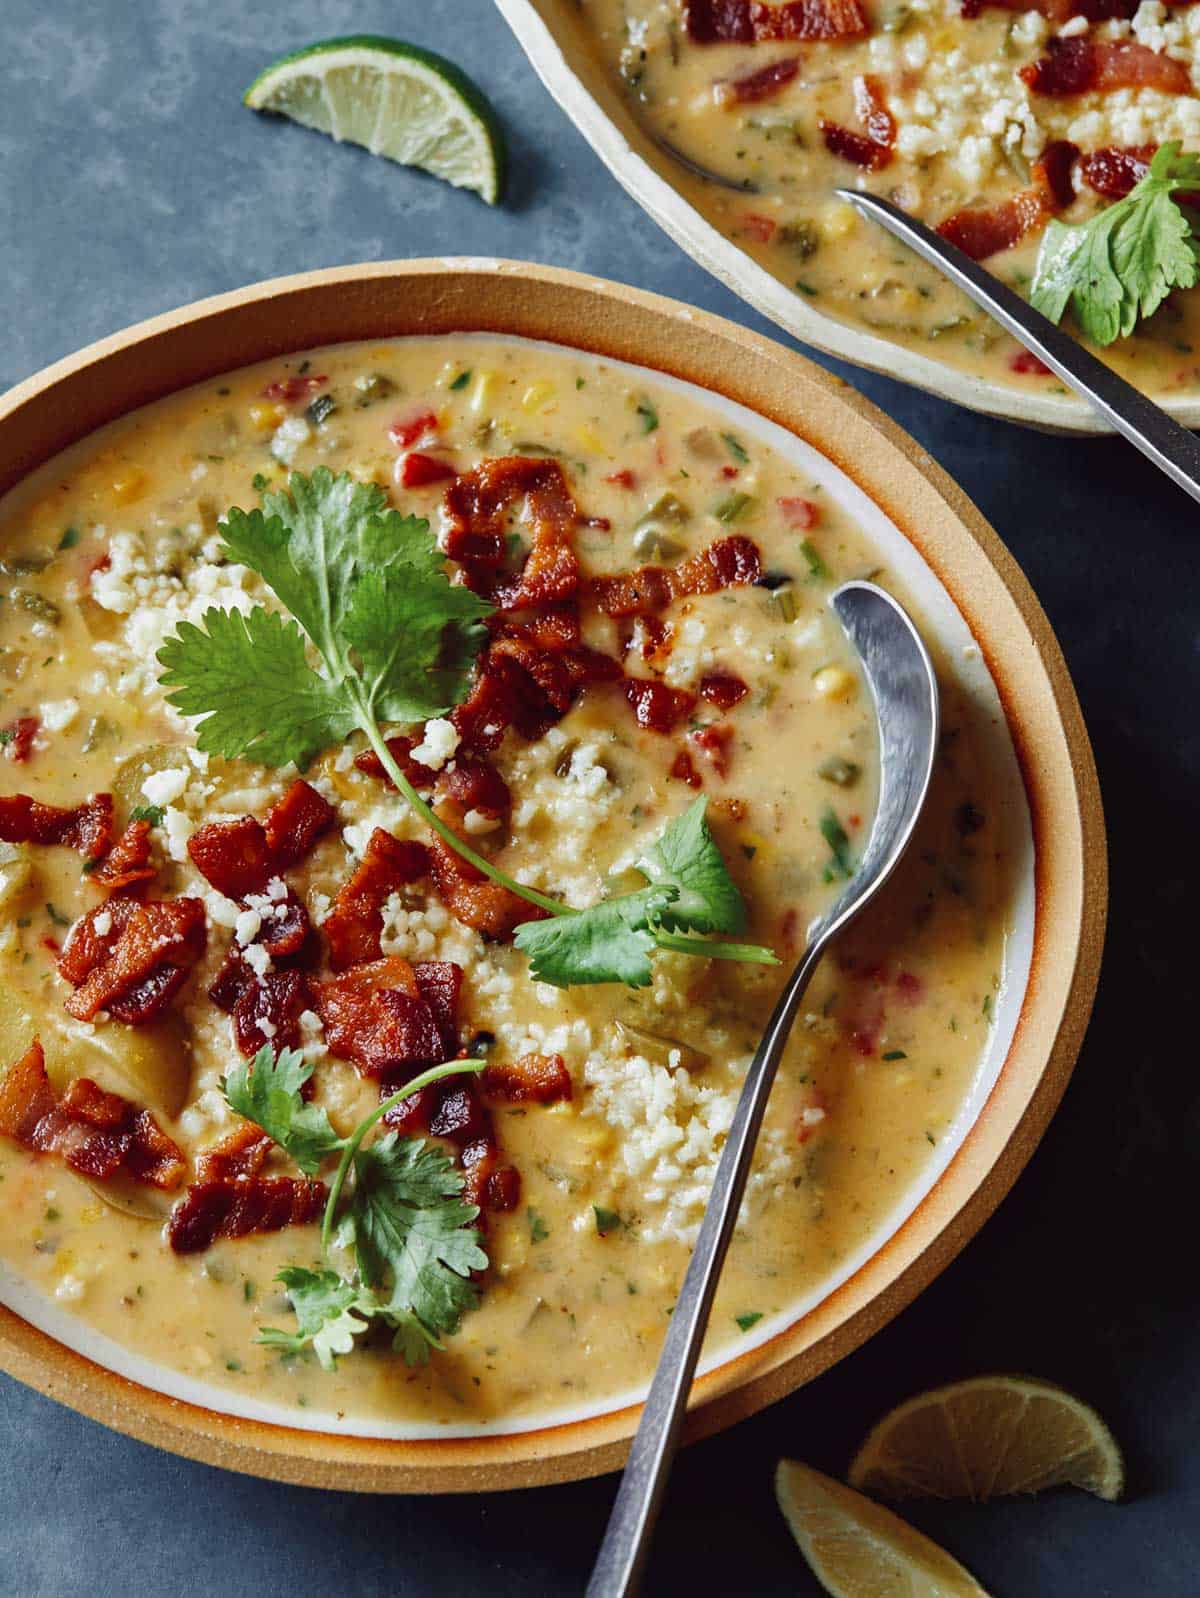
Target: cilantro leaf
x=611, y=942
x=248, y=677
x=398, y=622
x=266, y=1091
x=409, y=1227
x=328, y=1311
x=1122, y=263
x=687, y=859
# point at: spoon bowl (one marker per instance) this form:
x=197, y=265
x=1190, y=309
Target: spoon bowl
x=904, y=689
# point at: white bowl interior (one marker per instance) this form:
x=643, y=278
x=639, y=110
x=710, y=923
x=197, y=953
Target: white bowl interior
x=943, y=623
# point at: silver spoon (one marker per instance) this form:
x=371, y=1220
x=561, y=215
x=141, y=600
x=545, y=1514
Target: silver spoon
x=1146, y=425
x=904, y=688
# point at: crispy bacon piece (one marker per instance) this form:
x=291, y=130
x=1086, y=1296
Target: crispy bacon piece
x=21, y=734
x=752, y=87
x=355, y=923
x=133, y=968
x=1113, y=171
x=683, y=769
x=87, y=827
x=983, y=232
x=128, y=861
x=376, y=1016
x=754, y=22
x=872, y=148
x=473, y=784
x=727, y=563
x=295, y=822
x=1057, y=11
x=93, y=1131
x=240, y=1154
x=723, y=689
x=439, y=982
x=715, y=741
x=268, y=1010
x=531, y=1079
x=476, y=504
x=454, y=1111
x=234, y=856
x=240, y=857
x=1081, y=66
x=210, y=1210
x=488, y=1183
x=287, y=936
x=656, y=705
x=488, y=907
x=400, y=750
x=417, y=470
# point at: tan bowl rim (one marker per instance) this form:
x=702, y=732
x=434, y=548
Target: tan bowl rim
x=71, y=398
x=546, y=31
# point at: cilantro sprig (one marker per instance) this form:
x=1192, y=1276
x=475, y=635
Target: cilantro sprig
x=1122, y=263
x=369, y=594
x=405, y=1222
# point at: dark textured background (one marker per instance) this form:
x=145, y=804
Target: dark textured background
x=132, y=181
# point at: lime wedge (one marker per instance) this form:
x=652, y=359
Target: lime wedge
x=395, y=100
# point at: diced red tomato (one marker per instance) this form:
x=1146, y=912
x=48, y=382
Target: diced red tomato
x=1025, y=362
x=405, y=431
x=759, y=228
x=622, y=479
x=415, y=470
x=729, y=471
x=292, y=390
x=801, y=513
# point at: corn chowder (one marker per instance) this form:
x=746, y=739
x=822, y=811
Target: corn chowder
x=650, y=689
x=994, y=122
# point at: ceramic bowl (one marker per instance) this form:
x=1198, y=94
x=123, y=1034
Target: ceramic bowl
x=975, y=604
x=553, y=34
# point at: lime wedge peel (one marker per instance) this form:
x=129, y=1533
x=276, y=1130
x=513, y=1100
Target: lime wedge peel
x=393, y=99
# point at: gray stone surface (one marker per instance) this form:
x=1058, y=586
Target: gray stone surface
x=132, y=182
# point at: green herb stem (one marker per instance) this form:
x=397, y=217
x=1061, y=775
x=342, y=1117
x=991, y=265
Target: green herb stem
x=353, y=1143
x=709, y=949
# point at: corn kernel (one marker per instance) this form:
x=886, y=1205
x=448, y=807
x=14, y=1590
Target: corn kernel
x=838, y=221
x=265, y=418
x=588, y=438
x=129, y=484
x=538, y=397
x=481, y=393
x=835, y=682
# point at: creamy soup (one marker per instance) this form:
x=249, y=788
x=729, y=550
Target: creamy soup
x=595, y=1130
x=923, y=101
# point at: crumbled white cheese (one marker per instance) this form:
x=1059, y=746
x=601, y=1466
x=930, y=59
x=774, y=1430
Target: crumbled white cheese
x=437, y=745
x=58, y=714
x=288, y=437
x=247, y=927
x=102, y=924
x=257, y=958
x=177, y=829
x=164, y=787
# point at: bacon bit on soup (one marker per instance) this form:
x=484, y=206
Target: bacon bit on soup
x=755, y=22
x=212, y=1210
x=1081, y=66
x=128, y=861
x=715, y=741
x=288, y=938
x=473, y=784
x=268, y=1012
x=439, y=982
x=1113, y=171
x=531, y=1079
x=488, y=907
x=873, y=148
x=621, y=479
x=240, y=857
x=728, y=562
x=376, y=1017
x=18, y=738
x=97, y=1133
x=417, y=470
x=759, y=228
x=752, y=87
x=354, y=925
x=723, y=690
x=655, y=705
x=454, y=1111
x=802, y=514
x=87, y=827
x=988, y=229
x=405, y=432
x=400, y=749
x=683, y=770
x=241, y=1153
x=476, y=505
x=130, y=958
x=1057, y=11
x=1026, y=362
x=294, y=390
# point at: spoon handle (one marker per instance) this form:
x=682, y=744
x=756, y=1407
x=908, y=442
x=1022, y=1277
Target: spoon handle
x=623, y=1552
x=1161, y=439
